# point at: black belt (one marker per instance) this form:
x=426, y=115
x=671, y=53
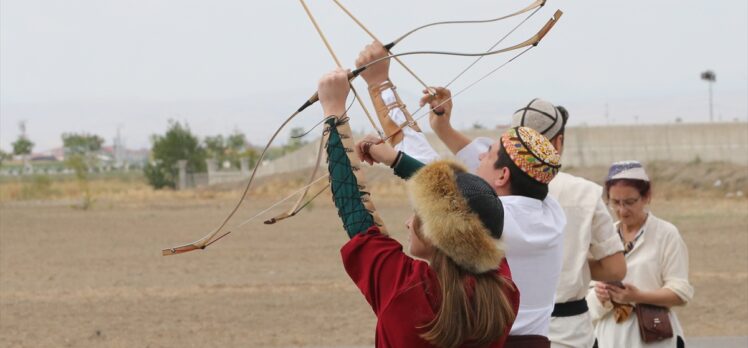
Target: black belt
x=527, y=341
x=570, y=309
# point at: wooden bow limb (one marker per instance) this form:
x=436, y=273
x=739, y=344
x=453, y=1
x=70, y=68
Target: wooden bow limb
x=294, y=211
x=214, y=236
x=533, y=41
x=362, y=26
x=527, y=44
x=534, y=5
x=337, y=61
x=477, y=59
x=297, y=205
x=211, y=238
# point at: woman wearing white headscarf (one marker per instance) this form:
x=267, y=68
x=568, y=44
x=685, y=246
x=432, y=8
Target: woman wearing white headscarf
x=657, y=263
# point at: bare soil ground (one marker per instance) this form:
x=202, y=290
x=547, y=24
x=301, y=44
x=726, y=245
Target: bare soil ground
x=73, y=278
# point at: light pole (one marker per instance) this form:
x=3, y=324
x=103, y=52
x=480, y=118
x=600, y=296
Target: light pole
x=710, y=77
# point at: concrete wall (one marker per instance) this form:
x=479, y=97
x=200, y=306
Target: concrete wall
x=584, y=146
x=588, y=146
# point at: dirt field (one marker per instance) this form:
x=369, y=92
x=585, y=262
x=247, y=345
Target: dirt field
x=72, y=278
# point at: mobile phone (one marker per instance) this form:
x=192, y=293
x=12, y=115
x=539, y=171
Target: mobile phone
x=618, y=284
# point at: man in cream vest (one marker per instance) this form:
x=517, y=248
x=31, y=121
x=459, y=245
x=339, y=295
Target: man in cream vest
x=592, y=248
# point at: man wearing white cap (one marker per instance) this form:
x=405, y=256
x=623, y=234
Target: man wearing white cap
x=589, y=231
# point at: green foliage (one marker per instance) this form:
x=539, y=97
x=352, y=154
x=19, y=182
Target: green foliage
x=4, y=156
x=158, y=176
x=79, y=163
x=215, y=147
x=236, y=142
x=22, y=146
x=295, y=141
x=252, y=154
x=80, y=150
x=177, y=144
x=81, y=144
x=231, y=148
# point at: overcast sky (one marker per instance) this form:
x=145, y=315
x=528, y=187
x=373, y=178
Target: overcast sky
x=101, y=65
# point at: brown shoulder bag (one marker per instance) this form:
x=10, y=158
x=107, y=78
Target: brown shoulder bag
x=654, y=322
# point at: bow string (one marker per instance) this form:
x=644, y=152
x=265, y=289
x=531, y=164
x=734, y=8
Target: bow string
x=218, y=233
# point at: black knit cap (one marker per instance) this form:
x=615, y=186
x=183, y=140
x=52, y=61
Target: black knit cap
x=483, y=201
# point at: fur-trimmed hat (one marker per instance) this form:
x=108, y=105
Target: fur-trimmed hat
x=532, y=153
x=460, y=214
x=541, y=116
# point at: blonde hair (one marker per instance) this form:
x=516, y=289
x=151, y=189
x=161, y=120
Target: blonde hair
x=479, y=319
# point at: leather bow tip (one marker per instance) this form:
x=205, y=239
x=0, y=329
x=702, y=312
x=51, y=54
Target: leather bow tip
x=179, y=250
x=270, y=221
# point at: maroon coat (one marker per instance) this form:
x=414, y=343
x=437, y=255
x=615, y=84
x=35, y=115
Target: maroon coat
x=402, y=291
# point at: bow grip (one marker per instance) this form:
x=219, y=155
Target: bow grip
x=315, y=98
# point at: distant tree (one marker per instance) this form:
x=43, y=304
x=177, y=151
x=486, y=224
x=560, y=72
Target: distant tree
x=23, y=146
x=81, y=144
x=177, y=144
x=236, y=148
x=236, y=141
x=215, y=147
x=295, y=140
x=231, y=148
x=80, y=155
x=478, y=125
x=4, y=156
x=251, y=153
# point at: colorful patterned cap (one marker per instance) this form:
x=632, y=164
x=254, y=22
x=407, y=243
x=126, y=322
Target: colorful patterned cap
x=627, y=170
x=532, y=153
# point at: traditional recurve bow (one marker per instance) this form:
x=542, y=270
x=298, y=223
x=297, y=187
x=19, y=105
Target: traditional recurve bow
x=533, y=41
x=219, y=233
x=298, y=206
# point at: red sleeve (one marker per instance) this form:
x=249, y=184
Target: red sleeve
x=512, y=292
x=378, y=266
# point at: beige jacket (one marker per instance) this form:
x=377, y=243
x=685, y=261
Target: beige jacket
x=659, y=259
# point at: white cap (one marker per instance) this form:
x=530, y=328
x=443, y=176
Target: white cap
x=541, y=116
x=627, y=170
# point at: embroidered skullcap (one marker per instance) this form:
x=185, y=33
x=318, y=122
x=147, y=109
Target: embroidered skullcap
x=541, y=116
x=627, y=170
x=461, y=214
x=532, y=153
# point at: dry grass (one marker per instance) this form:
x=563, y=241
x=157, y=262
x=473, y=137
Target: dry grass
x=73, y=278
x=671, y=181
x=131, y=189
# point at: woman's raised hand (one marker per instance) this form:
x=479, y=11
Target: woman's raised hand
x=332, y=91
x=371, y=149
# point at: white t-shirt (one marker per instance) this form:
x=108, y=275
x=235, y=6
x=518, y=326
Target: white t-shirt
x=533, y=241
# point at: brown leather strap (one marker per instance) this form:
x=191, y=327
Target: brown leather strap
x=391, y=128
